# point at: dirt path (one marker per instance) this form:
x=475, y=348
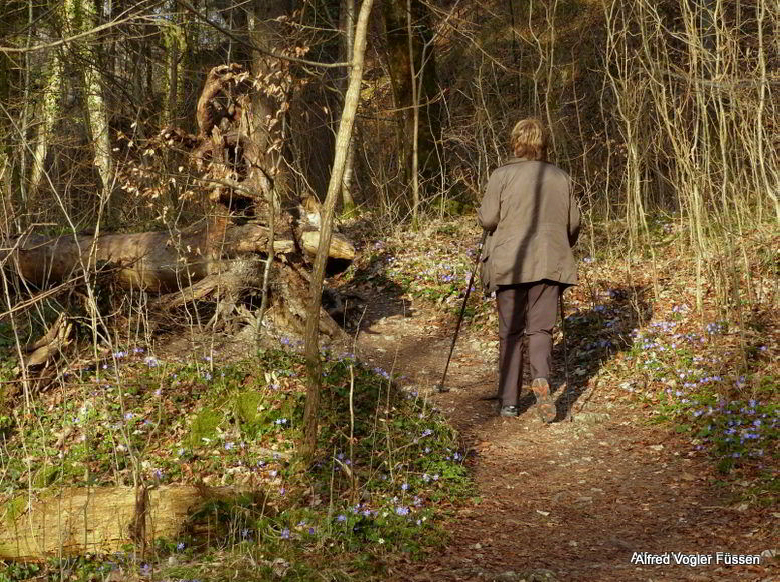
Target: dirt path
x=573, y=500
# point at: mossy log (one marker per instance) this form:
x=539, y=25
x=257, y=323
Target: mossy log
x=98, y=520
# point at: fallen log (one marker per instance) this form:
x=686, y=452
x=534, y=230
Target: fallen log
x=160, y=262
x=237, y=186
x=98, y=520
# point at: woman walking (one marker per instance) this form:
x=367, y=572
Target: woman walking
x=533, y=221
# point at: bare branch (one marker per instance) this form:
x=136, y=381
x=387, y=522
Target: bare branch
x=87, y=33
x=263, y=50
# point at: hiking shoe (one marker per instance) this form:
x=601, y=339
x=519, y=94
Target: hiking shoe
x=509, y=411
x=544, y=402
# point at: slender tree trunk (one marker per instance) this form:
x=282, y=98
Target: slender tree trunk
x=49, y=113
x=26, y=112
x=175, y=44
x=99, y=129
x=348, y=25
x=6, y=149
x=415, y=153
x=413, y=75
x=761, y=136
x=313, y=362
x=80, y=16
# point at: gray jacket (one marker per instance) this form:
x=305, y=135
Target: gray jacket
x=532, y=216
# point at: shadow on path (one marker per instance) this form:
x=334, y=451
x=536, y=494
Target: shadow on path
x=592, y=337
x=569, y=500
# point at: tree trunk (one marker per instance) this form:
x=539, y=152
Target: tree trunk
x=347, y=17
x=79, y=17
x=175, y=45
x=157, y=262
x=6, y=149
x=96, y=520
x=313, y=363
x=48, y=117
x=413, y=76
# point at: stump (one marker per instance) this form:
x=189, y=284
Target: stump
x=236, y=159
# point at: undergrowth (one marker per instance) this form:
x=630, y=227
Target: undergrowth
x=433, y=266
x=387, y=463
x=708, y=371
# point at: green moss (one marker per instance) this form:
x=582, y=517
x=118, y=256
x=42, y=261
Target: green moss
x=205, y=426
x=45, y=476
x=246, y=405
x=13, y=508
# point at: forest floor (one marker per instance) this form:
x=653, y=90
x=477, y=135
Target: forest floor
x=665, y=439
x=574, y=500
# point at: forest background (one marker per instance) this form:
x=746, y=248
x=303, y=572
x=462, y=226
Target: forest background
x=662, y=111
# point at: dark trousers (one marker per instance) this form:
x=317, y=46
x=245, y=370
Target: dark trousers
x=530, y=309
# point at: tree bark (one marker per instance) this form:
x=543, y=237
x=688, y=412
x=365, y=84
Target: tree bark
x=175, y=45
x=80, y=16
x=313, y=362
x=415, y=88
x=348, y=26
x=48, y=117
x=77, y=520
x=158, y=262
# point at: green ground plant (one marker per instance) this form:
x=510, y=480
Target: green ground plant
x=371, y=495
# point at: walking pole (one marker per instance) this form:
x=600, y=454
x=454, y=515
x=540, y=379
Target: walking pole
x=441, y=387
